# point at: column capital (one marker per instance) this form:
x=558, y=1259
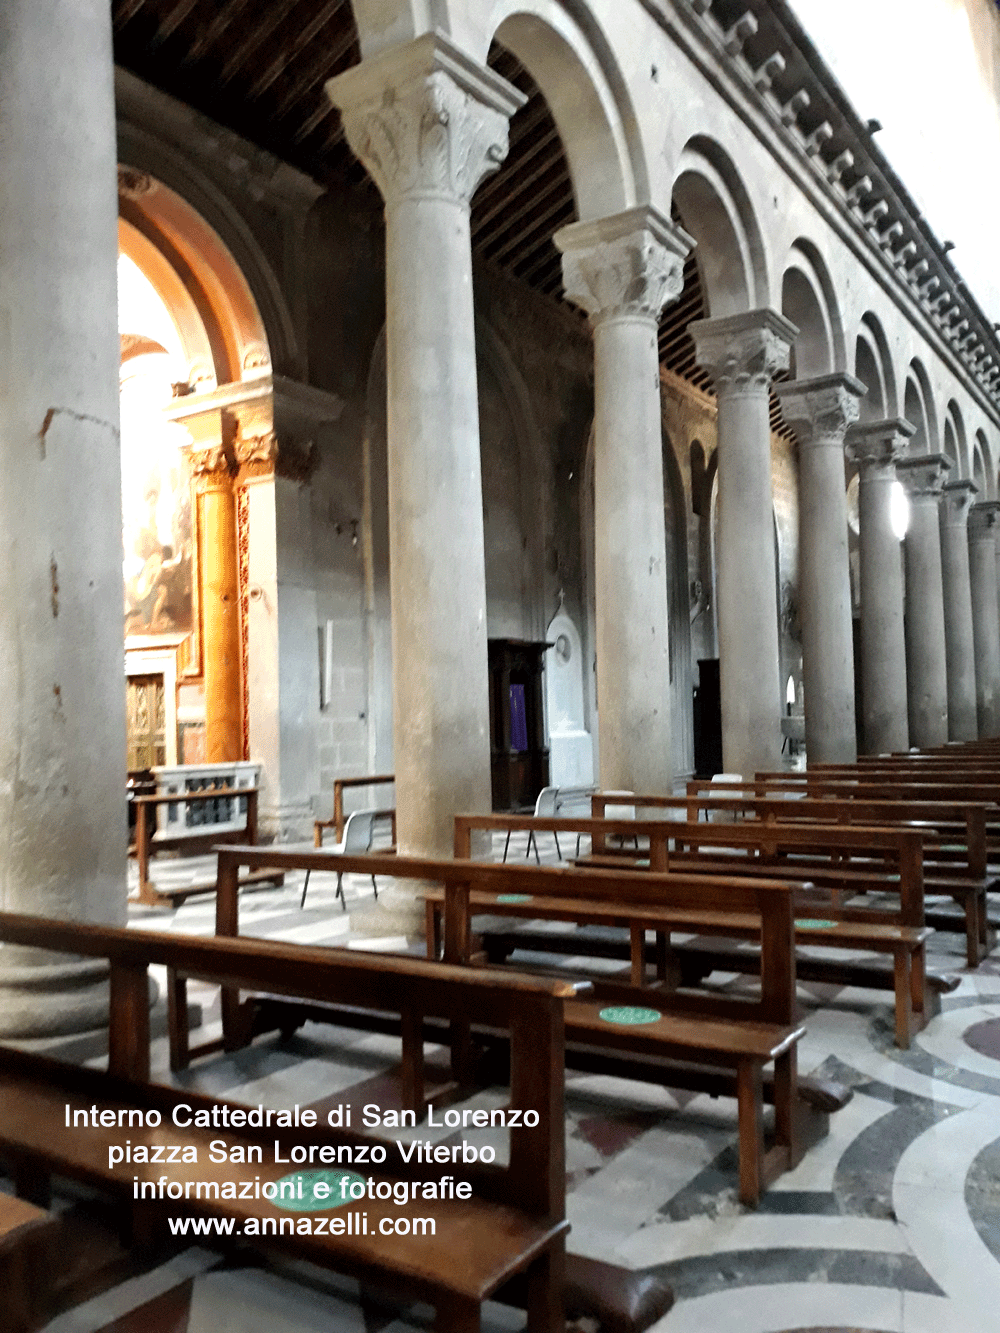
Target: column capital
x=924, y=475
x=957, y=497
x=821, y=408
x=630, y=264
x=878, y=444
x=744, y=352
x=984, y=521
x=427, y=121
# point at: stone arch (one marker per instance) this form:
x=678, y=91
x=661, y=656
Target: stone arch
x=197, y=275
x=955, y=441
x=919, y=410
x=715, y=208
x=584, y=89
x=873, y=366
x=982, y=466
x=230, y=262
x=810, y=302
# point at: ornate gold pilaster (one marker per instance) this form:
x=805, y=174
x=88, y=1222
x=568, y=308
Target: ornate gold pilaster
x=213, y=465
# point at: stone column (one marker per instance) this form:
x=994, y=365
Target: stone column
x=743, y=353
x=622, y=270
x=820, y=411
x=926, y=663
x=213, y=466
x=984, y=523
x=62, y=725
x=956, y=500
x=429, y=124
x=876, y=447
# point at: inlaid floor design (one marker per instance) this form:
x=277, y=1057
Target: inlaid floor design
x=890, y=1225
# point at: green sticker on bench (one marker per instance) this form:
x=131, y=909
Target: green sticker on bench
x=629, y=1015
x=306, y=1199
x=513, y=897
x=813, y=923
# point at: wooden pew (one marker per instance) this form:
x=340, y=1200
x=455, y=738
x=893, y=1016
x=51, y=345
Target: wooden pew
x=512, y=1227
x=340, y=785
x=734, y=1038
x=26, y=1236
x=954, y=833
x=901, y=933
x=148, y=843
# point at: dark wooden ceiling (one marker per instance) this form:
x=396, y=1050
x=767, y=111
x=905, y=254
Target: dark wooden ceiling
x=259, y=69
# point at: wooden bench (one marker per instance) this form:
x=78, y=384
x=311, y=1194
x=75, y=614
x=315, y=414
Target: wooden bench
x=957, y=869
x=514, y=1224
x=338, y=820
x=772, y=1013
x=26, y=1235
x=902, y=933
x=148, y=843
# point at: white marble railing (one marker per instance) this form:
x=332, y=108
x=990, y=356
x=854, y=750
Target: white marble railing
x=226, y=814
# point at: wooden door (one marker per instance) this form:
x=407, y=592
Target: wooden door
x=146, y=722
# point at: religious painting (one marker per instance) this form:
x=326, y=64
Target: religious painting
x=157, y=522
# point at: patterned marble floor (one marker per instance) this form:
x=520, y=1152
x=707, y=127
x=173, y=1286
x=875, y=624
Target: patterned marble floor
x=891, y=1224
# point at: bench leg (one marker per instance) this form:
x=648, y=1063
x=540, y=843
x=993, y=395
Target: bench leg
x=546, y=1282
x=786, y=1097
x=177, y=1021
x=918, y=984
x=638, y=953
x=457, y=1314
x=904, y=1012
x=750, y=1110
x=412, y=1071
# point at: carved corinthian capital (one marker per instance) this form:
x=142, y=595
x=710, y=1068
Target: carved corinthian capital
x=984, y=521
x=821, y=409
x=743, y=353
x=923, y=475
x=629, y=264
x=210, y=458
x=876, y=446
x=956, y=501
x=426, y=120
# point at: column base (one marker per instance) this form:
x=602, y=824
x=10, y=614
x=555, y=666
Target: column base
x=286, y=823
x=52, y=1000
x=399, y=911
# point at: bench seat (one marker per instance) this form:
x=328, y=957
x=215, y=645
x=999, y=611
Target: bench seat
x=25, y=1234
x=906, y=944
x=496, y=1240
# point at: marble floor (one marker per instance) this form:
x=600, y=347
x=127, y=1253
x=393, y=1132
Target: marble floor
x=891, y=1224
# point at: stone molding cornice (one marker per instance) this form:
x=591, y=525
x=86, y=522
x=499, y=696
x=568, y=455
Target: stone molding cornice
x=956, y=500
x=878, y=445
x=743, y=353
x=924, y=475
x=820, y=410
x=427, y=121
x=984, y=521
x=629, y=265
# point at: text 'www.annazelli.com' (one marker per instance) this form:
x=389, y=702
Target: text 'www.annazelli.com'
x=354, y=1224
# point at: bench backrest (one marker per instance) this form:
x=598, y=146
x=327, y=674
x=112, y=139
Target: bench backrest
x=531, y=1010
x=771, y=900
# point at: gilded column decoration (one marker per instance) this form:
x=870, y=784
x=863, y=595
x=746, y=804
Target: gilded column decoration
x=243, y=573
